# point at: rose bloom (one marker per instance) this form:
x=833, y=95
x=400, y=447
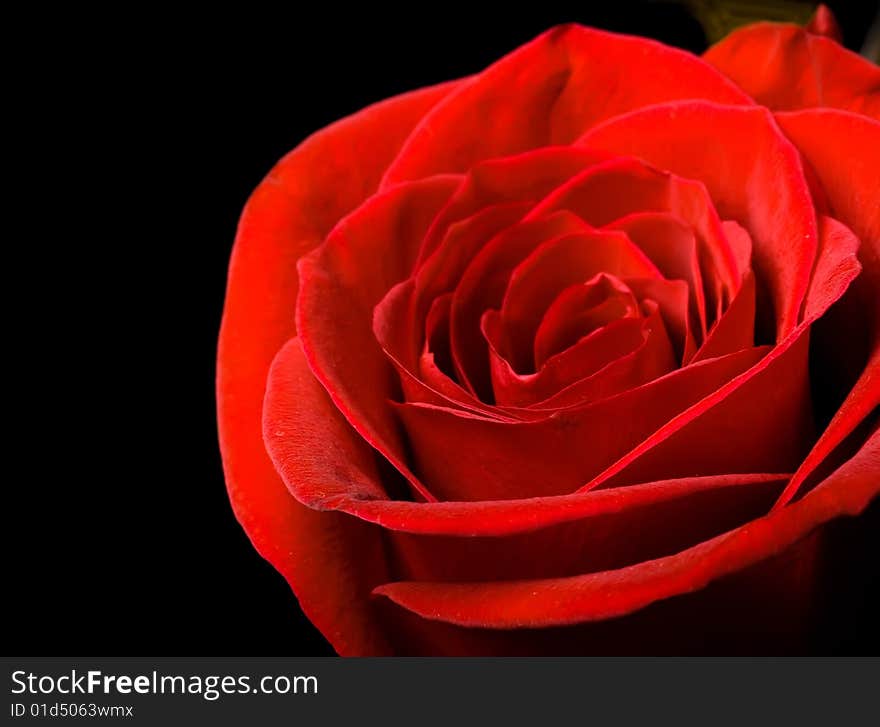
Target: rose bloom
x=576, y=355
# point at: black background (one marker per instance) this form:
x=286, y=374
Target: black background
x=153, y=130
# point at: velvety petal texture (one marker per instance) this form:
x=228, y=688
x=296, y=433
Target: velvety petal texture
x=577, y=355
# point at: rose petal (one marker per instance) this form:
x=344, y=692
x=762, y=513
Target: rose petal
x=766, y=608
x=579, y=310
x=492, y=196
x=744, y=160
x=550, y=91
x=546, y=602
x=324, y=476
x=529, y=176
x=619, y=187
x=668, y=517
x=759, y=421
x=482, y=287
x=464, y=456
x=328, y=466
x=672, y=299
x=554, y=265
x=392, y=327
x=650, y=360
x=341, y=282
x=824, y=137
x=288, y=214
x=435, y=363
x=398, y=321
x=785, y=67
x=735, y=330
x=589, y=362
x=837, y=268
x=461, y=241
x=763, y=417
x=672, y=246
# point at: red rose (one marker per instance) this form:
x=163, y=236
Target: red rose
x=574, y=355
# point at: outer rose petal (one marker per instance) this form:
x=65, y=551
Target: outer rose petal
x=785, y=67
x=602, y=595
x=549, y=92
x=763, y=609
x=288, y=214
x=824, y=137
